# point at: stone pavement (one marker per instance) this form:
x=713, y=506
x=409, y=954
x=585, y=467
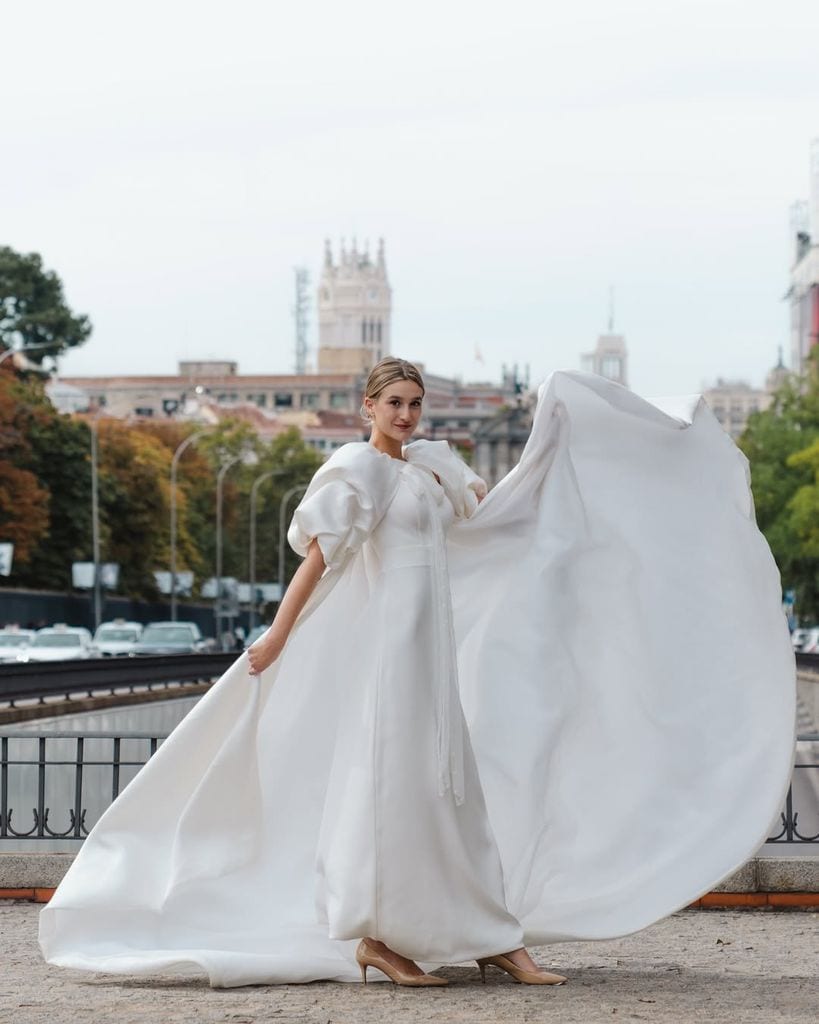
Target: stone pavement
x=741, y=966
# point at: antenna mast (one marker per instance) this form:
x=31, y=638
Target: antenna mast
x=300, y=312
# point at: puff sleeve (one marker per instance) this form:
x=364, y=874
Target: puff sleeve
x=462, y=486
x=344, y=502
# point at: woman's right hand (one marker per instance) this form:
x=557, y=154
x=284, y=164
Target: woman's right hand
x=264, y=652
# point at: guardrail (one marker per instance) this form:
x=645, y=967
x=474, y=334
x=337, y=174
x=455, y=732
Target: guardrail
x=112, y=759
x=41, y=679
x=808, y=661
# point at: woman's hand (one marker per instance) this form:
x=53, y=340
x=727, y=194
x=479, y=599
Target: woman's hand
x=268, y=647
x=264, y=652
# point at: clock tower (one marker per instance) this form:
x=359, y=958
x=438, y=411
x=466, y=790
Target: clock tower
x=354, y=305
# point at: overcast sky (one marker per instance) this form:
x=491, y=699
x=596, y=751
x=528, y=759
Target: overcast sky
x=172, y=162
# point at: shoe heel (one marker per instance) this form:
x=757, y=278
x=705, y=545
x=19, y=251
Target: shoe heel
x=482, y=968
x=363, y=968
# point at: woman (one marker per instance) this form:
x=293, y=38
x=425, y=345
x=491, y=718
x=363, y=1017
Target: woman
x=330, y=809
x=412, y=697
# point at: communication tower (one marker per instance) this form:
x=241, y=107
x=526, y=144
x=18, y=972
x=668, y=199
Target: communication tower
x=300, y=312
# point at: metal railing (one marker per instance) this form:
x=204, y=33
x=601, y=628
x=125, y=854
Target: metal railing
x=116, y=757
x=38, y=680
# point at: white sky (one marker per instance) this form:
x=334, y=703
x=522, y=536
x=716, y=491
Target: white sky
x=172, y=161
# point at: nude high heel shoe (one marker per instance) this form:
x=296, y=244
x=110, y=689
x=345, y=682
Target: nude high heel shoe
x=367, y=957
x=518, y=973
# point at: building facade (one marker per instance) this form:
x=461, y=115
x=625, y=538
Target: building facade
x=733, y=401
x=804, y=290
x=609, y=358
x=324, y=407
x=354, y=310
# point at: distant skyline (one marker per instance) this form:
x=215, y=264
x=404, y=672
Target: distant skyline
x=174, y=167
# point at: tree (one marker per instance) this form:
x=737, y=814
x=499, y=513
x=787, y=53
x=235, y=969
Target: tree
x=134, y=493
x=23, y=502
x=57, y=452
x=33, y=310
x=782, y=445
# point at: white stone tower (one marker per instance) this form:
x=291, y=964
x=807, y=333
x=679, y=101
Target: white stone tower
x=610, y=356
x=354, y=306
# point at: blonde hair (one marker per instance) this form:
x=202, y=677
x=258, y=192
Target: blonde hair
x=384, y=373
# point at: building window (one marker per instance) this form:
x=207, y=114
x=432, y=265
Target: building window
x=363, y=332
x=309, y=400
x=379, y=332
x=143, y=410
x=611, y=368
x=338, y=400
x=283, y=400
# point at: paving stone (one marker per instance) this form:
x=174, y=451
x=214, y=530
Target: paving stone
x=723, y=967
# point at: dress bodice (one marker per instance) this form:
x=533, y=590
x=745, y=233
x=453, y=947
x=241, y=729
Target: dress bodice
x=418, y=517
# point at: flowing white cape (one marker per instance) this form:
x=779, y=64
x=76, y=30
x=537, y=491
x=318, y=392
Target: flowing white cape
x=627, y=677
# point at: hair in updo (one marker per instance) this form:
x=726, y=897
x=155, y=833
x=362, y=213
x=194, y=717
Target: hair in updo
x=384, y=373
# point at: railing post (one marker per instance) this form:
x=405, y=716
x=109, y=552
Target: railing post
x=4, y=787
x=78, y=788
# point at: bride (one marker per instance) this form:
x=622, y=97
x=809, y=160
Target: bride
x=467, y=729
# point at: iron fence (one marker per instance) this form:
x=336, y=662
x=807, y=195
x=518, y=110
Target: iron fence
x=81, y=773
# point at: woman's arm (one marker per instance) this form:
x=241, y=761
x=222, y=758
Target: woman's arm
x=268, y=647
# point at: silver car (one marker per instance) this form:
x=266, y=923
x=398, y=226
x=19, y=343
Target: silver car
x=172, y=638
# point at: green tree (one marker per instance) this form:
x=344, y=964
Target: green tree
x=782, y=445
x=33, y=310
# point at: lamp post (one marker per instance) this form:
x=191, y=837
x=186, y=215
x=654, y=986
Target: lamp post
x=282, y=520
x=248, y=457
x=220, y=480
x=26, y=348
x=251, y=561
x=95, y=521
x=189, y=440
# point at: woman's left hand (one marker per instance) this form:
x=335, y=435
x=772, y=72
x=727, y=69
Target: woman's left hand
x=264, y=652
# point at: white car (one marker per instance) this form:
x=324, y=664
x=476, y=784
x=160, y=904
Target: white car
x=810, y=642
x=61, y=643
x=117, y=639
x=14, y=642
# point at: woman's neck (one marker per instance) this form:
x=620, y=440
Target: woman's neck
x=387, y=445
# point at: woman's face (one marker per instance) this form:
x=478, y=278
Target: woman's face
x=396, y=411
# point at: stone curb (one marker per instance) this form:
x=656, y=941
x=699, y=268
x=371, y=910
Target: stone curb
x=763, y=876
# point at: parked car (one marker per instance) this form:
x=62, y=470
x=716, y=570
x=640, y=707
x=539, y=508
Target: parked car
x=172, y=638
x=801, y=637
x=118, y=638
x=810, y=645
x=14, y=643
x=61, y=643
x=254, y=635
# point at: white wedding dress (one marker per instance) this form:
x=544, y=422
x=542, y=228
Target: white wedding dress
x=616, y=642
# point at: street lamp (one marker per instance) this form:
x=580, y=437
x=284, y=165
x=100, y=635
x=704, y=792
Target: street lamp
x=282, y=521
x=189, y=440
x=95, y=520
x=251, y=562
x=26, y=348
x=249, y=458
